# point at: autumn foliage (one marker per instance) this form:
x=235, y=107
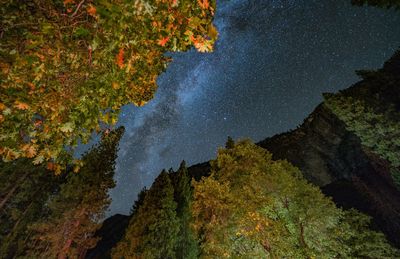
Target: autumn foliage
x=68, y=67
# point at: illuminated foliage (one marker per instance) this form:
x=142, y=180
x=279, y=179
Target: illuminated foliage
x=76, y=210
x=68, y=66
x=153, y=229
x=254, y=207
x=377, y=131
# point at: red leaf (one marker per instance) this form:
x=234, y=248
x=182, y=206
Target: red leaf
x=163, y=41
x=120, y=58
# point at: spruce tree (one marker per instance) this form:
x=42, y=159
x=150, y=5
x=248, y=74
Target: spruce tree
x=76, y=211
x=187, y=246
x=153, y=230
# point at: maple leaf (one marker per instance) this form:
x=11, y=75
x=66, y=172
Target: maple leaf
x=67, y=127
x=91, y=10
x=30, y=150
x=21, y=106
x=163, y=41
x=119, y=59
x=204, y=4
x=38, y=160
x=203, y=46
x=2, y=106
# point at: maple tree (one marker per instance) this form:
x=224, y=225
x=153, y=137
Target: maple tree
x=68, y=66
x=252, y=206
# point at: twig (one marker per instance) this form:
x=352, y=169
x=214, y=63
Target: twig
x=77, y=8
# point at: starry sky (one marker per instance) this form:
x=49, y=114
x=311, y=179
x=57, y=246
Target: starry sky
x=272, y=61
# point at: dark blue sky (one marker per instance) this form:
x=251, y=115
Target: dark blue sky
x=271, y=63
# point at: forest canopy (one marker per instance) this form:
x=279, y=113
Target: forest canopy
x=68, y=66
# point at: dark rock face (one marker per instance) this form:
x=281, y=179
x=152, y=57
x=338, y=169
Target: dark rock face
x=334, y=159
x=111, y=233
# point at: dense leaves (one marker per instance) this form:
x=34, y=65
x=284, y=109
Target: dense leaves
x=76, y=210
x=254, y=207
x=161, y=224
x=24, y=189
x=153, y=229
x=377, y=131
x=68, y=66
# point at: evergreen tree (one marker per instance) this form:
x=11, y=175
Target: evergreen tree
x=254, y=207
x=153, y=230
x=230, y=143
x=187, y=246
x=139, y=201
x=76, y=211
x=24, y=189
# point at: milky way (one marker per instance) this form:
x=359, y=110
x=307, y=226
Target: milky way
x=271, y=63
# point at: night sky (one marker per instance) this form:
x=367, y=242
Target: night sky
x=271, y=63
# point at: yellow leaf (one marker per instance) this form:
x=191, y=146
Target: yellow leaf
x=67, y=127
x=30, y=150
x=115, y=85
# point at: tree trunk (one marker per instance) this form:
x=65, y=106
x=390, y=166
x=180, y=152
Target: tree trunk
x=302, y=240
x=11, y=192
x=64, y=251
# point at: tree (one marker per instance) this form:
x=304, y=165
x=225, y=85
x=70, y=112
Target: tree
x=254, y=207
x=139, y=202
x=153, y=230
x=187, y=246
x=230, y=143
x=22, y=200
x=68, y=66
x=377, y=131
x=378, y=3
x=76, y=210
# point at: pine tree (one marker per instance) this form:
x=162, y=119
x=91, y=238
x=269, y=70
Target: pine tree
x=76, y=211
x=187, y=246
x=153, y=230
x=230, y=143
x=139, y=201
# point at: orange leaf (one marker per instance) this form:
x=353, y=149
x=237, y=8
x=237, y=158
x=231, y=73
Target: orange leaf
x=204, y=4
x=163, y=41
x=50, y=166
x=68, y=2
x=92, y=10
x=21, y=106
x=30, y=150
x=120, y=58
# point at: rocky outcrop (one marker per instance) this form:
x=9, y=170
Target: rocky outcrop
x=111, y=232
x=333, y=158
